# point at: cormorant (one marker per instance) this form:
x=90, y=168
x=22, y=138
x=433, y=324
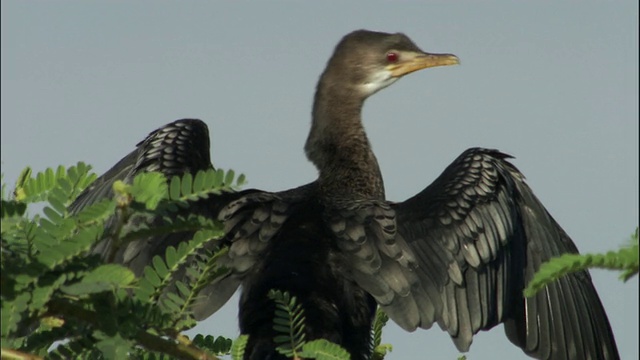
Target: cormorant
x=458, y=253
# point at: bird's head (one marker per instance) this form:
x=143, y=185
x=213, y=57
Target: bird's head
x=368, y=61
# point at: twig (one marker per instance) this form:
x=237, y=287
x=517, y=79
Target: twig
x=147, y=340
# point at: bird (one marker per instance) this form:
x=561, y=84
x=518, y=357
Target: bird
x=459, y=253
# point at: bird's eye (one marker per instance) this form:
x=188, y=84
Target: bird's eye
x=392, y=57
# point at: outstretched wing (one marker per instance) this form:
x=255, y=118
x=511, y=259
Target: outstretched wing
x=251, y=217
x=175, y=149
x=460, y=253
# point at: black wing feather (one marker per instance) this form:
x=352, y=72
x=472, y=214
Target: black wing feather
x=482, y=220
x=175, y=149
x=251, y=217
x=178, y=148
x=464, y=248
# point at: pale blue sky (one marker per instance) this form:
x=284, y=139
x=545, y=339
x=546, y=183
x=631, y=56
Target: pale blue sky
x=553, y=83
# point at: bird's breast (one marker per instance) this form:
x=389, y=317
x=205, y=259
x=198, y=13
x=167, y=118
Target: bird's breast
x=303, y=259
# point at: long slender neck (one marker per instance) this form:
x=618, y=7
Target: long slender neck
x=338, y=146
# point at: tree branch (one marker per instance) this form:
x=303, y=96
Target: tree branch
x=144, y=338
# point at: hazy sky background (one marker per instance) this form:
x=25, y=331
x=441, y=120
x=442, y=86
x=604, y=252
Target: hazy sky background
x=553, y=83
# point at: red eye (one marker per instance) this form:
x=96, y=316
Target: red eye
x=392, y=57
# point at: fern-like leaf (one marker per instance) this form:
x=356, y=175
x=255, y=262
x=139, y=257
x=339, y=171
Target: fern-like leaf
x=379, y=350
x=54, y=252
x=149, y=188
x=159, y=275
x=10, y=208
x=238, y=347
x=288, y=322
x=205, y=183
x=96, y=213
x=48, y=268
x=69, y=181
x=12, y=313
x=322, y=349
x=217, y=345
x=625, y=259
x=106, y=277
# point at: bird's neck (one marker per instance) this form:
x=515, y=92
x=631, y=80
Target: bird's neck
x=339, y=148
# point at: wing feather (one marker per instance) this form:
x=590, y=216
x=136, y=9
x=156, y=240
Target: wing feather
x=177, y=148
x=473, y=239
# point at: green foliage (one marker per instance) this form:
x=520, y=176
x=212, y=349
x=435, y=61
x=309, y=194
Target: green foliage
x=149, y=189
x=322, y=349
x=625, y=260
x=238, y=347
x=54, y=289
x=216, y=345
x=38, y=188
x=205, y=183
x=288, y=322
x=379, y=350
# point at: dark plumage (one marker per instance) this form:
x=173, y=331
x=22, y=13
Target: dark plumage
x=458, y=253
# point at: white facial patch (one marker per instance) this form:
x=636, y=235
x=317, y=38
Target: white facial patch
x=378, y=81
